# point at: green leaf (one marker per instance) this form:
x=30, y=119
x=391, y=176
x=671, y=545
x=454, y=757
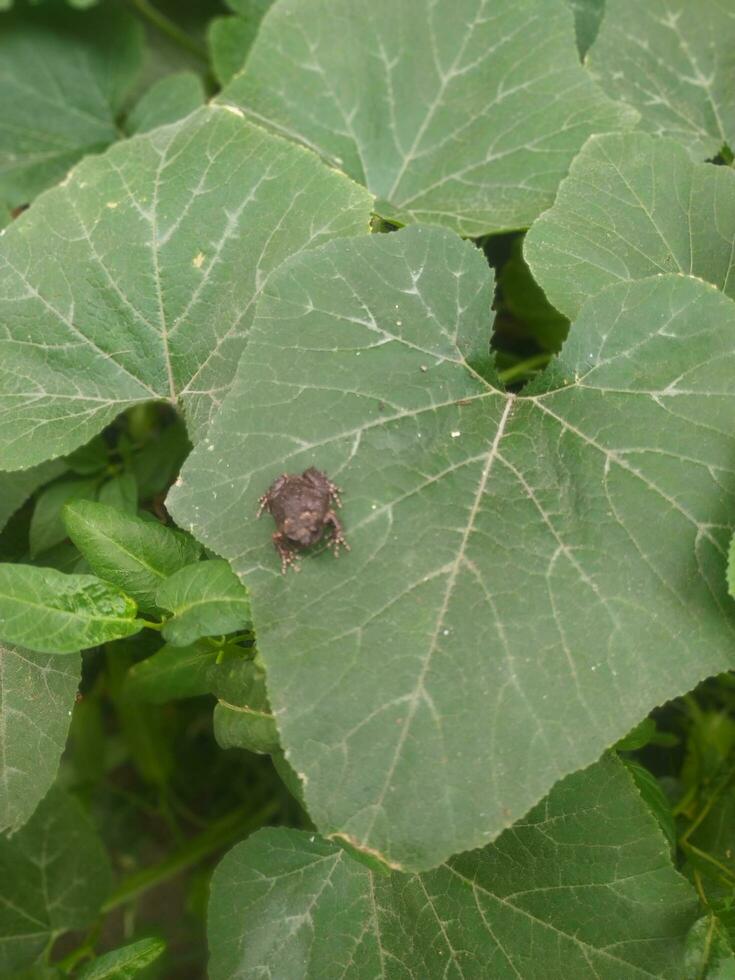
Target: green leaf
x=36, y=699
x=133, y=554
x=709, y=955
x=731, y=567
x=468, y=121
x=230, y=38
x=123, y=963
x=47, y=524
x=633, y=206
x=90, y=459
x=120, y=493
x=144, y=241
x=639, y=736
x=63, y=557
x=180, y=672
x=672, y=61
x=524, y=299
x=50, y=612
x=16, y=488
x=510, y=554
x=160, y=459
x=205, y=599
x=588, y=16
x=168, y=100
x=55, y=876
x=238, y=727
x=243, y=719
x=582, y=887
x=653, y=795
x=63, y=79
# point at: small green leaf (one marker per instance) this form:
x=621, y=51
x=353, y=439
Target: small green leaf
x=121, y=493
x=89, y=459
x=168, y=100
x=132, y=553
x=708, y=954
x=582, y=887
x=160, y=459
x=673, y=62
x=246, y=727
x=15, y=488
x=123, y=963
x=655, y=798
x=639, y=736
x=36, y=699
x=47, y=523
x=50, y=612
x=175, y=672
x=63, y=80
x=206, y=599
x=55, y=875
x=246, y=722
x=229, y=40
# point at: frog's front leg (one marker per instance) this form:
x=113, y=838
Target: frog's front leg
x=264, y=501
x=288, y=555
x=338, y=537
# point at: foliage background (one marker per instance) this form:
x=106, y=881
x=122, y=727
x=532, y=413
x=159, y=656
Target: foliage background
x=336, y=773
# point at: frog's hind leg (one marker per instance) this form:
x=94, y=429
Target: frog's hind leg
x=289, y=558
x=338, y=536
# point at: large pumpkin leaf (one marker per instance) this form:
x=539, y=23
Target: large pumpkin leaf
x=634, y=206
x=464, y=114
x=584, y=885
x=36, y=698
x=673, y=62
x=137, y=276
x=63, y=80
x=55, y=876
x=509, y=554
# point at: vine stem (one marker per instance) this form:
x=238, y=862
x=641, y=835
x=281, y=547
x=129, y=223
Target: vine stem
x=231, y=827
x=169, y=28
x=524, y=367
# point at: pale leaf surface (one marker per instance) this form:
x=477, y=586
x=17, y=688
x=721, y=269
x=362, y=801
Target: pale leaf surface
x=634, y=206
x=673, y=61
x=118, y=286
x=582, y=887
x=464, y=114
x=510, y=554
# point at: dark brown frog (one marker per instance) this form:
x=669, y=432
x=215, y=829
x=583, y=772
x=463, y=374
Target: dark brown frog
x=302, y=507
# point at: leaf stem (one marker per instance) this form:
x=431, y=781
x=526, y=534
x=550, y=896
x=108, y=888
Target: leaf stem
x=531, y=364
x=169, y=28
x=231, y=827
